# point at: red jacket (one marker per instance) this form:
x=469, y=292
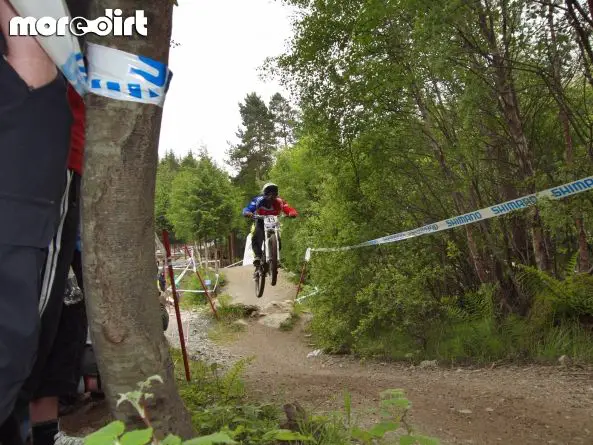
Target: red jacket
x=76, y=155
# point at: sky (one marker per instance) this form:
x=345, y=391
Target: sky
x=223, y=45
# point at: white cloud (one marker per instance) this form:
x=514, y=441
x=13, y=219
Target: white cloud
x=223, y=43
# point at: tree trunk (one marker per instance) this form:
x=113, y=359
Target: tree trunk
x=583, y=247
x=481, y=268
x=118, y=234
x=206, y=253
x=197, y=253
x=509, y=106
x=233, y=248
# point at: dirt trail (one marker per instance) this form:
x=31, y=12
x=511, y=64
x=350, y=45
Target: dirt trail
x=510, y=405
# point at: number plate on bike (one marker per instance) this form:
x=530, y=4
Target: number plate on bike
x=270, y=222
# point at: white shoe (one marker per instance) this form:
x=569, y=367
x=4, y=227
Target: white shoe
x=63, y=439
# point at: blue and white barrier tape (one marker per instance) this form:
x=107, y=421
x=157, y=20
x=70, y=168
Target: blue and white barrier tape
x=562, y=191
x=315, y=292
x=75, y=72
x=120, y=75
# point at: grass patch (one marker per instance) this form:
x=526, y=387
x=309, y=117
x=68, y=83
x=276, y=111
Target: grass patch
x=228, y=326
x=216, y=400
x=190, y=281
x=224, y=333
x=229, y=312
x=209, y=383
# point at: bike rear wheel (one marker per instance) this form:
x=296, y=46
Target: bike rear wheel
x=274, y=259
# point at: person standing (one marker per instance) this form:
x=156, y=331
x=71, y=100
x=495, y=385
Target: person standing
x=63, y=330
x=35, y=121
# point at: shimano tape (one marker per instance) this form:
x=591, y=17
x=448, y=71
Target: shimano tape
x=120, y=75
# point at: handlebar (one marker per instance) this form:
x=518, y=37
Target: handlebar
x=265, y=216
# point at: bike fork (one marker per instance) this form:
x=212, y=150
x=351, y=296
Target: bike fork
x=278, y=245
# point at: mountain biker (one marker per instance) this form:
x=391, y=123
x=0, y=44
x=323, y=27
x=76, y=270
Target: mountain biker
x=268, y=203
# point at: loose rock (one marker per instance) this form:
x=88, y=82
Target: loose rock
x=196, y=325
x=428, y=364
x=275, y=320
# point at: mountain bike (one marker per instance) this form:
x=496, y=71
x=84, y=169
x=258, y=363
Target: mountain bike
x=270, y=253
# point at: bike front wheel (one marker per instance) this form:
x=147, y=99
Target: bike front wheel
x=260, y=281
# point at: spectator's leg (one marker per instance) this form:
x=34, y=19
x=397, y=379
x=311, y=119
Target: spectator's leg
x=53, y=284
x=20, y=319
x=44, y=402
x=10, y=433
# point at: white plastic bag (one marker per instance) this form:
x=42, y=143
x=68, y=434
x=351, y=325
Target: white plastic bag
x=63, y=50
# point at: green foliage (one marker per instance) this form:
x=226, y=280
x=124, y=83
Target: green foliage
x=571, y=297
x=300, y=174
x=253, y=156
x=106, y=435
x=191, y=282
x=229, y=323
x=228, y=311
x=201, y=202
x=114, y=433
x=166, y=171
x=285, y=120
x=195, y=200
x=405, y=122
x=479, y=331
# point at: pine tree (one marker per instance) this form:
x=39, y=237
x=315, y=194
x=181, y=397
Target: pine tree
x=253, y=156
x=284, y=120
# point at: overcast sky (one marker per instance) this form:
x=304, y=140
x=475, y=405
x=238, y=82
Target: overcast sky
x=223, y=43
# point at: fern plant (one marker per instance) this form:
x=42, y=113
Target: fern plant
x=568, y=298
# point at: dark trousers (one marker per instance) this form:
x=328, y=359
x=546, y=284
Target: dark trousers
x=257, y=238
x=34, y=140
x=20, y=283
x=63, y=331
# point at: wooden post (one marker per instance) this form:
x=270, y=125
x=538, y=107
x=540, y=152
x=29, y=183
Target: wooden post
x=176, y=302
x=301, y=280
x=207, y=293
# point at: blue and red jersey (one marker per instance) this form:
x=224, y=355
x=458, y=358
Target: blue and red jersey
x=260, y=206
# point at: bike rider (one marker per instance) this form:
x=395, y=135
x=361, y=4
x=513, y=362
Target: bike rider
x=268, y=203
